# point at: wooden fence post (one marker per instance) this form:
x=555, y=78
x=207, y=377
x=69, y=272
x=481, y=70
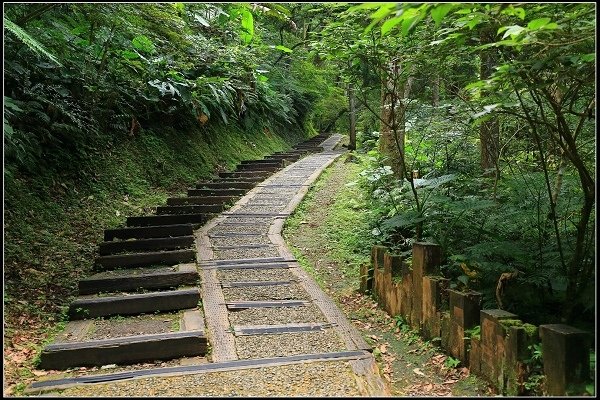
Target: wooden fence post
x=426, y=260
x=566, y=357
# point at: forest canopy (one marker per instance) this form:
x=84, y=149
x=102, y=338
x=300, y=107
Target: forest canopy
x=477, y=120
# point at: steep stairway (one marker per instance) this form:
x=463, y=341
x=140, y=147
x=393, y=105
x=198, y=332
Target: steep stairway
x=143, y=302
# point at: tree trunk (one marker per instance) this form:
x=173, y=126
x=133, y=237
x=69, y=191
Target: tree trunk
x=391, y=133
x=352, y=109
x=435, y=91
x=489, y=131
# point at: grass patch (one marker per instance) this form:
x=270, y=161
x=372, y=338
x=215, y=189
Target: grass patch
x=334, y=217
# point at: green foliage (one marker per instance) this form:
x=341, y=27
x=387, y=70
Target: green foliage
x=535, y=218
x=401, y=323
x=126, y=68
x=31, y=43
x=473, y=333
x=451, y=362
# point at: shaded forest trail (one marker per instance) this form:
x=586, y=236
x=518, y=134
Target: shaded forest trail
x=298, y=342
x=255, y=307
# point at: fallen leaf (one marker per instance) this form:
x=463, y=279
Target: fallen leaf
x=418, y=372
x=39, y=373
x=450, y=381
x=383, y=348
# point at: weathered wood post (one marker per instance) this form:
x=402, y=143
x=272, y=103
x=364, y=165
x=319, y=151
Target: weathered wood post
x=492, y=345
x=427, y=258
x=518, y=340
x=464, y=314
x=367, y=271
x=393, y=270
x=566, y=357
x=433, y=288
x=377, y=259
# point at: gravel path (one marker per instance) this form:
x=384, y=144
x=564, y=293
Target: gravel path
x=247, y=275
x=236, y=254
x=239, y=240
x=317, y=379
x=276, y=315
x=287, y=344
x=279, y=292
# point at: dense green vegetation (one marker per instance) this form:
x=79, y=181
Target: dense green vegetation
x=477, y=122
x=111, y=108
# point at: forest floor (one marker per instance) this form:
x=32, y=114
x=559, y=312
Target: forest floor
x=411, y=366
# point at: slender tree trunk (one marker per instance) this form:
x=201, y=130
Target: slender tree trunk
x=489, y=131
x=391, y=133
x=352, y=109
x=435, y=91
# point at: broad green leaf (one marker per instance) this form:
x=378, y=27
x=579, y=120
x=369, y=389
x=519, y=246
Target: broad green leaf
x=367, y=6
x=380, y=14
x=130, y=55
x=463, y=279
x=390, y=24
x=439, y=12
x=512, y=31
x=538, y=23
x=79, y=29
x=588, y=57
x=284, y=49
x=408, y=24
x=179, y=6
x=486, y=110
x=142, y=43
x=383, y=11
x=463, y=11
x=247, y=26
x=475, y=20
x=433, y=183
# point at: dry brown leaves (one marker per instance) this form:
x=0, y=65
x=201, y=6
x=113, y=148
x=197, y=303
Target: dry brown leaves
x=22, y=337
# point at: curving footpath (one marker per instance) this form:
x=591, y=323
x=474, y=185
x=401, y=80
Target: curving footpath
x=259, y=303
x=270, y=328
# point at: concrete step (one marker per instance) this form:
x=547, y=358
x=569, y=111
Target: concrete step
x=216, y=192
x=189, y=341
x=259, y=167
x=152, y=220
x=258, y=162
x=148, y=278
x=168, y=243
x=208, y=200
x=287, y=157
x=189, y=209
x=247, y=178
x=130, y=304
x=226, y=185
x=243, y=174
x=147, y=232
x=144, y=259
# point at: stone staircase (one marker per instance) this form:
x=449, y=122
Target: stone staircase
x=143, y=301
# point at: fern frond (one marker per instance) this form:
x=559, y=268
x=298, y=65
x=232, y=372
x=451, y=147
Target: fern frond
x=28, y=40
